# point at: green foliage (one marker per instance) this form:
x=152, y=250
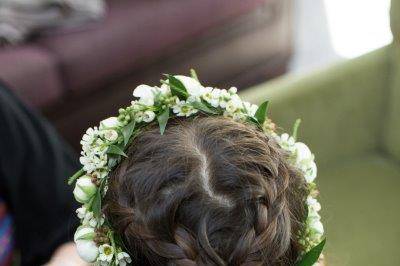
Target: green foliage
x=96, y=204
x=114, y=149
x=193, y=74
x=312, y=256
x=295, y=128
x=163, y=119
x=261, y=113
x=88, y=236
x=204, y=107
x=78, y=174
x=127, y=132
x=177, y=87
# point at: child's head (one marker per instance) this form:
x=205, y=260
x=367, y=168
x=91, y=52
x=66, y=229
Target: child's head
x=210, y=191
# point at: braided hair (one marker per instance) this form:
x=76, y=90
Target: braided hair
x=210, y=191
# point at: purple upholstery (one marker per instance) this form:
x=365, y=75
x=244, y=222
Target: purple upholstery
x=32, y=73
x=135, y=30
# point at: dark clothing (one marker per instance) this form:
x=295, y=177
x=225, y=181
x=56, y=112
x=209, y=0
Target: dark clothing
x=34, y=166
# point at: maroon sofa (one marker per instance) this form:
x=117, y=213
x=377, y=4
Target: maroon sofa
x=78, y=76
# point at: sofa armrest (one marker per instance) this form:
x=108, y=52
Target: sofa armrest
x=341, y=107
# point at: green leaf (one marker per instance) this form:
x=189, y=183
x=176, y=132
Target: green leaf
x=194, y=74
x=114, y=149
x=96, y=204
x=177, y=87
x=254, y=121
x=127, y=132
x=203, y=107
x=295, y=128
x=113, y=160
x=312, y=256
x=75, y=176
x=163, y=119
x=88, y=236
x=261, y=113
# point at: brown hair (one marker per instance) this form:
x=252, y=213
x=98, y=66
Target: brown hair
x=210, y=191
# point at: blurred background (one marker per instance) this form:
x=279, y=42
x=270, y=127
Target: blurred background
x=77, y=61
x=335, y=63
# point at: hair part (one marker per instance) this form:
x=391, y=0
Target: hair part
x=210, y=191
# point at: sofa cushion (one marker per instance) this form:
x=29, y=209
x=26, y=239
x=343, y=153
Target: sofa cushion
x=32, y=73
x=392, y=129
x=133, y=33
x=360, y=211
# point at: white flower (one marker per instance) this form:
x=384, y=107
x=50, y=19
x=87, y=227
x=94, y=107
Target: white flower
x=310, y=173
x=286, y=142
x=193, y=87
x=232, y=90
x=224, y=98
x=111, y=135
x=207, y=95
x=81, y=212
x=234, y=104
x=146, y=94
x=303, y=153
x=123, y=258
x=86, y=247
x=89, y=137
x=313, y=204
x=106, y=253
x=215, y=94
x=250, y=108
x=92, y=161
x=84, y=189
x=111, y=122
x=148, y=116
x=317, y=227
x=305, y=161
x=164, y=90
x=90, y=220
x=181, y=108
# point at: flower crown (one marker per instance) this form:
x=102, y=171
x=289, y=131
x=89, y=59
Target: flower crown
x=104, y=147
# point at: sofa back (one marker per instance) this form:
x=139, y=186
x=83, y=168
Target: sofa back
x=392, y=130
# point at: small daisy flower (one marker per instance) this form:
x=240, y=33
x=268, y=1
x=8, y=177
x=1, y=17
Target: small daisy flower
x=106, y=254
x=181, y=108
x=123, y=259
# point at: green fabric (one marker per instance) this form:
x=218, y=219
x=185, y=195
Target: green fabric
x=351, y=121
x=395, y=19
x=341, y=107
x=392, y=129
x=360, y=201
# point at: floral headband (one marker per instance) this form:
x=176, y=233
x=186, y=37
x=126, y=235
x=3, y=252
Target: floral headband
x=103, y=148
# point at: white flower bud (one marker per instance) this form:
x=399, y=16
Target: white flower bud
x=192, y=86
x=302, y=152
x=111, y=135
x=311, y=172
x=232, y=90
x=81, y=212
x=148, y=116
x=110, y=122
x=317, y=227
x=86, y=247
x=84, y=189
x=145, y=94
